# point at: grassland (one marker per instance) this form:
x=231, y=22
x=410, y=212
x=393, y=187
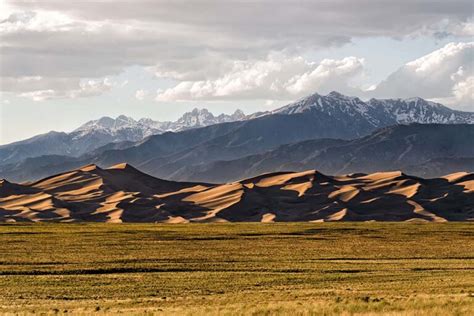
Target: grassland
x=232, y=269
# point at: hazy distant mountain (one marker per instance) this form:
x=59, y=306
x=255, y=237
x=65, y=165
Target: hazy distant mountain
x=202, y=117
x=106, y=130
x=122, y=128
x=444, y=165
x=138, y=130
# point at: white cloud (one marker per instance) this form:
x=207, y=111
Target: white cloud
x=464, y=92
x=269, y=102
x=140, y=95
x=426, y=64
x=34, y=83
x=330, y=74
x=445, y=75
x=448, y=27
x=86, y=88
x=36, y=21
x=277, y=77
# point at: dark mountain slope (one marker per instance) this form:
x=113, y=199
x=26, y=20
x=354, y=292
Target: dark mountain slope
x=399, y=147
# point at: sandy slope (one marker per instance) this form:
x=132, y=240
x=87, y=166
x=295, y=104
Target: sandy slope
x=123, y=194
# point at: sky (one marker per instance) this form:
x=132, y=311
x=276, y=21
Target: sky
x=63, y=63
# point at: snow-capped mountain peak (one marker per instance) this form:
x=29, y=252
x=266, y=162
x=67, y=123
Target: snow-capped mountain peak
x=123, y=121
x=237, y=115
x=340, y=96
x=109, y=124
x=104, y=122
x=418, y=110
x=334, y=104
x=202, y=117
x=197, y=117
x=377, y=112
x=127, y=128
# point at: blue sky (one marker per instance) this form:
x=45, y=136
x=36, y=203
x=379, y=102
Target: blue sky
x=64, y=65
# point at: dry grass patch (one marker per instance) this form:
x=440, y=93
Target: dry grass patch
x=238, y=269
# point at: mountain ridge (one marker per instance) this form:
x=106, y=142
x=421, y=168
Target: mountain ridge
x=192, y=119
x=167, y=155
x=381, y=111
x=106, y=130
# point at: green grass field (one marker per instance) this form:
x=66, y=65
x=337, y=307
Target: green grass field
x=233, y=269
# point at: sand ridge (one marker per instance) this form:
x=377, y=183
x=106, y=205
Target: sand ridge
x=122, y=193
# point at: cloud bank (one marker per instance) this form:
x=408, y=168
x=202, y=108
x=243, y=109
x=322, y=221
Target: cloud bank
x=205, y=45
x=445, y=75
x=277, y=77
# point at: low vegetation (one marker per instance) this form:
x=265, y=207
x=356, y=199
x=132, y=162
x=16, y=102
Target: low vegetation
x=232, y=269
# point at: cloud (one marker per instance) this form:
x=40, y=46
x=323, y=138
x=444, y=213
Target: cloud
x=445, y=75
x=37, y=21
x=464, y=91
x=329, y=75
x=66, y=41
x=448, y=27
x=140, y=95
x=86, y=89
x=22, y=84
x=277, y=77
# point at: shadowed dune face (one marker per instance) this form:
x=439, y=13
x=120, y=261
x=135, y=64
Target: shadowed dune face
x=123, y=194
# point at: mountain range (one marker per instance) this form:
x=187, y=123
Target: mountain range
x=106, y=130
x=378, y=112
x=124, y=194
x=332, y=133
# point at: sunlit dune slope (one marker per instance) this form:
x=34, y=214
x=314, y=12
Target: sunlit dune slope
x=121, y=193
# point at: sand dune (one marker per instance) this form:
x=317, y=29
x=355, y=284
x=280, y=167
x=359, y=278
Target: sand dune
x=123, y=194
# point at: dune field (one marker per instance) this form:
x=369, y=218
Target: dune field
x=122, y=193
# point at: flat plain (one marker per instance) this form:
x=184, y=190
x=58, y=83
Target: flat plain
x=238, y=268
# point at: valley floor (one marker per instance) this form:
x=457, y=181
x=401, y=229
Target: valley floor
x=233, y=269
